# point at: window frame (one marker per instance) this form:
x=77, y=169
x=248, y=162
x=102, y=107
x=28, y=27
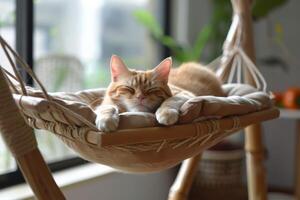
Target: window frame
x=24, y=26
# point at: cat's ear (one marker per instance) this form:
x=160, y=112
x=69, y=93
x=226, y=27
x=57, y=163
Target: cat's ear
x=118, y=68
x=161, y=71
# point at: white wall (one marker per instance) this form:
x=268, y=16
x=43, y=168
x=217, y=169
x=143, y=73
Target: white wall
x=279, y=134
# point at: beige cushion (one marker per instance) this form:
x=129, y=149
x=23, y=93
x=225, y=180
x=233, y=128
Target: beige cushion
x=242, y=99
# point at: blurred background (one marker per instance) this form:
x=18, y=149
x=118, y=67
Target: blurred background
x=69, y=42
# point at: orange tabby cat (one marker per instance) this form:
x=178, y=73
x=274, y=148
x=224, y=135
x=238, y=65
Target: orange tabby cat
x=161, y=90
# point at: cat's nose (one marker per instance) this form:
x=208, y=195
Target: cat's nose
x=141, y=97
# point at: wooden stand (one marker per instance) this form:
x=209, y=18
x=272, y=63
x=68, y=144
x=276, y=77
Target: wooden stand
x=257, y=189
x=29, y=158
x=38, y=176
x=182, y=185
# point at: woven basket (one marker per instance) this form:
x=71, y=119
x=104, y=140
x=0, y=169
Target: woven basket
x=220, y=176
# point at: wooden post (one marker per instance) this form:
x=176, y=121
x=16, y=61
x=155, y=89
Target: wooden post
x=21, y=142
x=257, y=188
x=184, y=180
x=38, y=176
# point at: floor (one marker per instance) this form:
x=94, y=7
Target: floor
x=277, y=196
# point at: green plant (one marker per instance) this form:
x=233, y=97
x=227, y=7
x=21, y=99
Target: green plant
x=212, y=34
x=62, y=72
x=261, y=8
x=180, y=53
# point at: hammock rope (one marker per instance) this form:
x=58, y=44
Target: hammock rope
x=234, y=59
x=58, y=107
x=17, y=135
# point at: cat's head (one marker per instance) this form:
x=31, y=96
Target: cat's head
x=134, y=90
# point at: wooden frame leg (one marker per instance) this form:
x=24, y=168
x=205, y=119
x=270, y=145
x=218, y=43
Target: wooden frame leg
x=20, y=140
x=257, y=189
x=38, y=176
x=256, y=177
x=182, y=185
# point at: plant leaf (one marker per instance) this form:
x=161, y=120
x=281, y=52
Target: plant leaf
x=60, y=77
x=146, y=18
x=261, y=8
x=202, y=38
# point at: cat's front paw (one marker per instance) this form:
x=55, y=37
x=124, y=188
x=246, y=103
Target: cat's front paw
x=167, y=116
x=107, y=124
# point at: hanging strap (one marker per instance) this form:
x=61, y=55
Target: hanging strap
x=17, y=135
x=234, y=62
x=232, y=69
x=15, y=81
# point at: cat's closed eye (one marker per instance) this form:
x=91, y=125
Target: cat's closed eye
x=155, y=91
x=152, y=90
x=126, y=89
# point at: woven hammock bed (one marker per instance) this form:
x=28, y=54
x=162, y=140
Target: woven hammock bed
x=140, y=144
x=135, y=148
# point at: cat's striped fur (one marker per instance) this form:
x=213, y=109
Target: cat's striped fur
x=161, y=90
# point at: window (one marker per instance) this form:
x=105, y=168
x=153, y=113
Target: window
x=72, y=43
x=7, y=30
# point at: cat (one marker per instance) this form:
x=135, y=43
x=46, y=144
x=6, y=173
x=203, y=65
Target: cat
x=162, y=91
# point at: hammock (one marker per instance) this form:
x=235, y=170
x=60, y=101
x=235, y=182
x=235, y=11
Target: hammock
x=140, y=144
